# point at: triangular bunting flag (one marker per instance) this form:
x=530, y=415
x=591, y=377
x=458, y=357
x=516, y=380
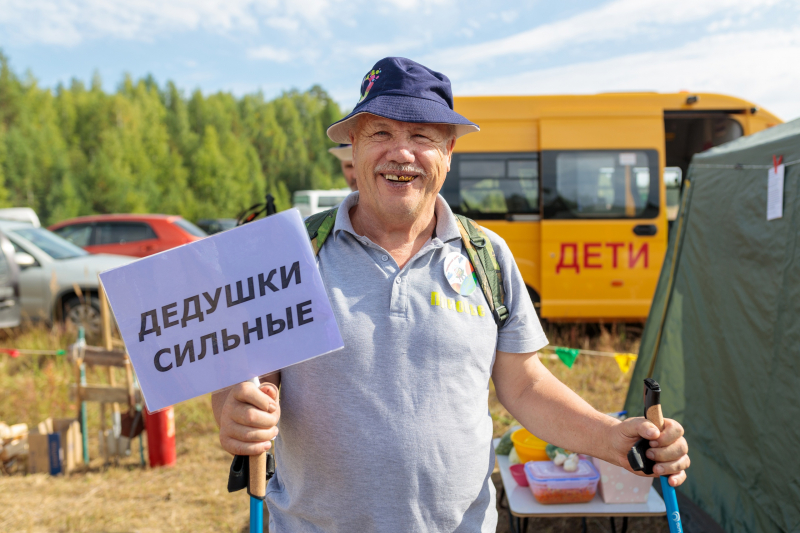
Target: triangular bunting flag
x=567, y=355
x=624, y=361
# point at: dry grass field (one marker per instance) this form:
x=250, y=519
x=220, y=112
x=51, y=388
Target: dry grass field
x=192, y=495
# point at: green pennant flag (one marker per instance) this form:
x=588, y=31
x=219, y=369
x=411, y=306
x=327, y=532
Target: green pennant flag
x=567, y=355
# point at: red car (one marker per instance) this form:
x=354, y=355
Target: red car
x=136, y=235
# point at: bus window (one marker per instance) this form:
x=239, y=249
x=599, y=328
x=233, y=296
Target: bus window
x=301, y=199
x=600, y=184
x=689, y=133
x=494, y=185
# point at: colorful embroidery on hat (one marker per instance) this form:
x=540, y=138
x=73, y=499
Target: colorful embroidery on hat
x=371, y=77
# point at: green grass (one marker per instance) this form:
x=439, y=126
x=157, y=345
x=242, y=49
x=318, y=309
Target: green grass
x=36, y=387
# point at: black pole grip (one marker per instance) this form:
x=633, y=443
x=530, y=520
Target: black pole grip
x=636, y=456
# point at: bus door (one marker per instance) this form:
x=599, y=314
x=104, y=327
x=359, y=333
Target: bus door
x=604, y=228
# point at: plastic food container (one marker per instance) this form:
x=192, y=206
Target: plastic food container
x=617, y=485
x=551, y=484
x=518, y=473
x=529, y=447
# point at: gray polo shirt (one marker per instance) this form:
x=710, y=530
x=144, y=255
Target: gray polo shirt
x=393, y=433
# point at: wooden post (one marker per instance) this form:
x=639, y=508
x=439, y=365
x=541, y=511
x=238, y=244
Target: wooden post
x=103, y=443
x=105, y=315
x=129, y=383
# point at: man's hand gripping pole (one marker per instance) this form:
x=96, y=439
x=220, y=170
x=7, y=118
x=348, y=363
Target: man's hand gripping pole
x=641, y=463
x=251, y=472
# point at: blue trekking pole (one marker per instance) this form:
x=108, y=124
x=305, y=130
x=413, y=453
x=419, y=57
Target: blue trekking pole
x=252, y=473
x=257, y=487
x=639, y=461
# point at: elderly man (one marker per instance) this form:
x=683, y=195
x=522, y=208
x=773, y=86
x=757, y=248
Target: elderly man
x=344, y=153
x=393, y=432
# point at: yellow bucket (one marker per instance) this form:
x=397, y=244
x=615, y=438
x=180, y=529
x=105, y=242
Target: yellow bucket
x=529, y=447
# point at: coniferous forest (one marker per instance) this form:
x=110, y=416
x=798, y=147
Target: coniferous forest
x=149, y=148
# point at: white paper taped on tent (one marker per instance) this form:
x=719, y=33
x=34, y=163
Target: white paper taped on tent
x=222, y=310
x=775, y=192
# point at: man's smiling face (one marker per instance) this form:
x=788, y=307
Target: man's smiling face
x=401, y=166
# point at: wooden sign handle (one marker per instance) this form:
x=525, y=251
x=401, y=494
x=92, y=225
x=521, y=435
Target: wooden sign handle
x=257, y=487
x=258, y=476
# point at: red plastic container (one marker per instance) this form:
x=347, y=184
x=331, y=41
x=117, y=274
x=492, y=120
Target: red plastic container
x=160, y=428
x=518, y=473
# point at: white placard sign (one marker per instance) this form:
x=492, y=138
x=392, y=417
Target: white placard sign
x=775, y=192
x=222, y=310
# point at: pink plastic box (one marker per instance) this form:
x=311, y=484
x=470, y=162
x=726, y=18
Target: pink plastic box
x=617, y=485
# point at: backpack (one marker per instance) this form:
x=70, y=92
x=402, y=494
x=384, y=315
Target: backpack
x=479, y=249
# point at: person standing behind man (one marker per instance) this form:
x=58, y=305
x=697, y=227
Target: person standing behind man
x=344, y=153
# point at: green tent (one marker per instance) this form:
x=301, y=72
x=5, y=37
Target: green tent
x=723, y=335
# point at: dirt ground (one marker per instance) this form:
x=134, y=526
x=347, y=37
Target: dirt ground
x=192, y=496
x=189, y=497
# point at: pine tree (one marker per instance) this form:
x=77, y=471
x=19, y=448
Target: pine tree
x=75, y=150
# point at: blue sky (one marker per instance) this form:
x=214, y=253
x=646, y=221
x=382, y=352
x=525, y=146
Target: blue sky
x=747, y=48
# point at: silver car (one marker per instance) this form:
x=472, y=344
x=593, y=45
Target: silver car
x=58, y=280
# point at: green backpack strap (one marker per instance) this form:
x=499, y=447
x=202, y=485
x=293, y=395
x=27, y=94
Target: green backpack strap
x=319, y=226
x=481, y=255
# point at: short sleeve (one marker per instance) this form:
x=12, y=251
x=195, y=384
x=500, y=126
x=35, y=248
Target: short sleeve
x=522, y=332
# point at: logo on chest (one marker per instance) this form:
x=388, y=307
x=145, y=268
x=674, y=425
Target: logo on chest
x=458, y=306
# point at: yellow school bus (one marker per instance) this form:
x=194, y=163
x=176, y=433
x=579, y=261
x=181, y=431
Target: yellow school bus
x=576, y=187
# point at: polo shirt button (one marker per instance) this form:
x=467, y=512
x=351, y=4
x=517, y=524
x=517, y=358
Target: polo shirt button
x=398, y=280
x=384, y=258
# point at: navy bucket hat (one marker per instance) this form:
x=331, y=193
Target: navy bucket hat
x=403, y=90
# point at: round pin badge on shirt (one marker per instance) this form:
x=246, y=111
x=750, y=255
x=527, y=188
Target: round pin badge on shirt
x=459, y=274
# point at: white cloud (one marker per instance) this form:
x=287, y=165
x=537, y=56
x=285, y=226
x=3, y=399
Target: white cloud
x=614, y=21
x=759, y=66
x=70, y=22
x=283, y=23
x=279, y=55
x=508, y=16
x=408, y=5
x=377, y=50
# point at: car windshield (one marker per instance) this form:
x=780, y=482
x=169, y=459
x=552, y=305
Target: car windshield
x=50, y=243
x=189, y=228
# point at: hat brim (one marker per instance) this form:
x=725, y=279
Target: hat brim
x=342, y=153
x=402, y=109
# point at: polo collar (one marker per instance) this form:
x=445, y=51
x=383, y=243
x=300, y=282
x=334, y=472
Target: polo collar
x=446, y=228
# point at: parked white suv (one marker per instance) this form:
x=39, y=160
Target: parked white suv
x=312, y=202
x=58, y=280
